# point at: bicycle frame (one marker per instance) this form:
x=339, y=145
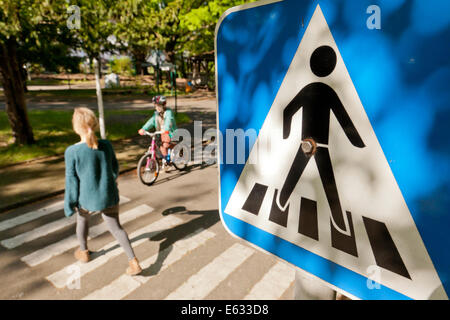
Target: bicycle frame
x=153, y=150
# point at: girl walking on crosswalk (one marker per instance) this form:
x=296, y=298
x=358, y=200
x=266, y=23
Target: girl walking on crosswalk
x=91, y=173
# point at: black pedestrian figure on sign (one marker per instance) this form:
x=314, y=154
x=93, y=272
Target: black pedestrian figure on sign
x=317, y=99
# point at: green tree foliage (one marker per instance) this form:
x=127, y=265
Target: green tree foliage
x=200, y=24
x=37, y=32
x=30, y=31
x=96, y=26
x=40, y=30
x=133, y=28
x=188, y=25
x=170, y=34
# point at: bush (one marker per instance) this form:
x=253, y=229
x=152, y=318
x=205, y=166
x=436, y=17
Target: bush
x=122, y=66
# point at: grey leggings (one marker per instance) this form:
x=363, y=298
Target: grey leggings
x=111, y=217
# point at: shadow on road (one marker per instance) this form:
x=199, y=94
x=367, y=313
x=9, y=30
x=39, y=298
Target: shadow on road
x=205, y=220
x=171, y=175
x=168, y=237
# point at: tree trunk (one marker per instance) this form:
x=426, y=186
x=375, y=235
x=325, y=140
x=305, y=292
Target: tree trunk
x=138, y=67
x=170, y=49
x=101, y=116
x=183, y=67
x=139, y=56
x=13, y=87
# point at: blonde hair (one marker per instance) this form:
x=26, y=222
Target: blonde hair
x=85, y=124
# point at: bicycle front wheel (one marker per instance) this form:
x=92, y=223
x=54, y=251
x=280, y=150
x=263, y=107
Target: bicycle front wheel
x=148, y=169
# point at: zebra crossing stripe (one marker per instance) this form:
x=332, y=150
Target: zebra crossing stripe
x=124, y=285
x=34, y=234
x=30, y=216
x=121, y=287
x=276, y=214
x=60, y=278
x=255, y=199
x=343, y=242
x=36, y=214
x=44, y=230
x=209, y=277
x=384, y=250
x=308, y=224
x=46, y=253
x=274, y=283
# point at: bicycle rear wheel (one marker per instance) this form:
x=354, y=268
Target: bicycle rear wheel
x=179, y=157
x=148, y=169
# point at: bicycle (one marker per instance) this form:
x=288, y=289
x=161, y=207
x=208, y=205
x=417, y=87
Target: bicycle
x=150, y=163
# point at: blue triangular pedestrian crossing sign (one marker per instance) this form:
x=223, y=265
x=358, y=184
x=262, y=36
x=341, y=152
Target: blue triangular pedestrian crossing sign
x=315, y=186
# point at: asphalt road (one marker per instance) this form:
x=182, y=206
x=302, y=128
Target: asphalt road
x=177, y=235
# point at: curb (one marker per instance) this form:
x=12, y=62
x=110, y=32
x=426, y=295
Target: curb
x=46, y=196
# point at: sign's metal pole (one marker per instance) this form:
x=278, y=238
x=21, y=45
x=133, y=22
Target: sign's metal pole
x=175, y=85
x=308, y=288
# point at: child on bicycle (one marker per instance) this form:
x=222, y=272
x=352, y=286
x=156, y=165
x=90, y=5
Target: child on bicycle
x=163, y=119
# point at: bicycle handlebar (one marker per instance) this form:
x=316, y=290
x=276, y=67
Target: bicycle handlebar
x=152, y=134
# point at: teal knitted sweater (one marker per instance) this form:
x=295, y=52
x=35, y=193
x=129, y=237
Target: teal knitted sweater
x=90, y=177
x=170, y=123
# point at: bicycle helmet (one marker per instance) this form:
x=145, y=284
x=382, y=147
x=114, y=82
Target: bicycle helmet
x=161, y=100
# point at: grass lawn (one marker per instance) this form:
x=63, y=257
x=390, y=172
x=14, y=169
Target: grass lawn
x=53, y=132
x=128, y=92
x=55, y=82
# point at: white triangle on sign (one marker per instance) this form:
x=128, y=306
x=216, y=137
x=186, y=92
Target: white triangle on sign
x=365, y=183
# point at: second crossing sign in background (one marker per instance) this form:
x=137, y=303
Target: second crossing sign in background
x=344, y=168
